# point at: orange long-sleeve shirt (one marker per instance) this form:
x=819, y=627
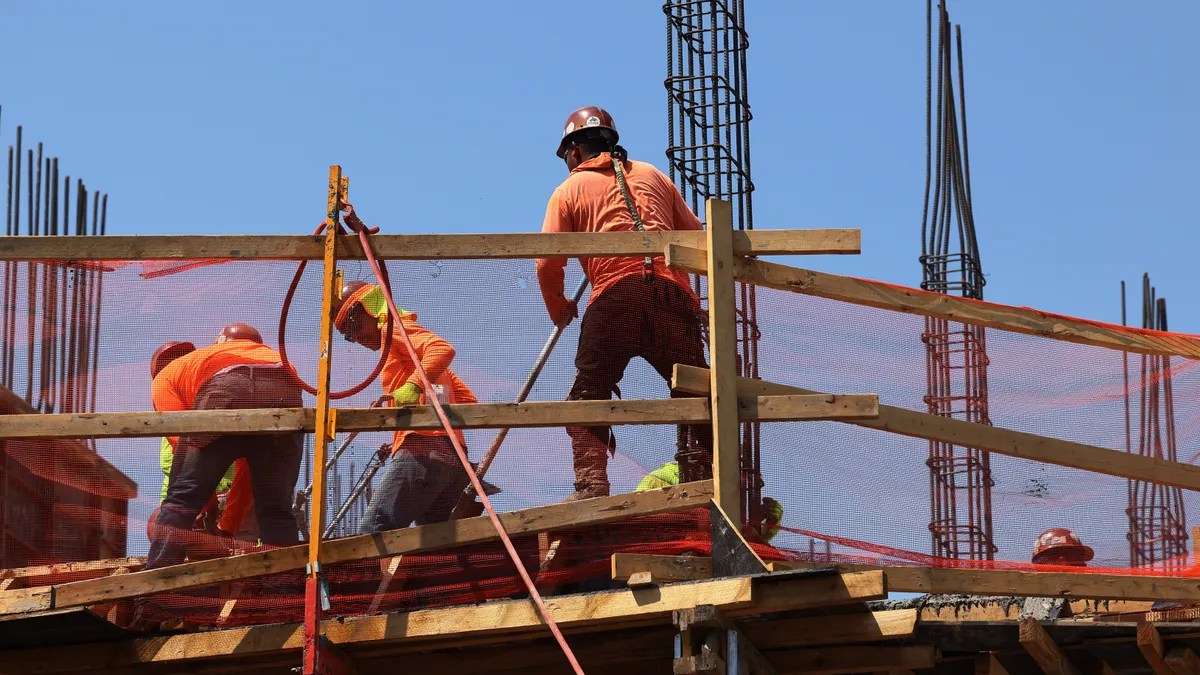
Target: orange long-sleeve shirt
x=435, y=355
x=590, y=200
x=175, y=388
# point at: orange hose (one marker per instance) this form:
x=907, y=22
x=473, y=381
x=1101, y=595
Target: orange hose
x=462, y=457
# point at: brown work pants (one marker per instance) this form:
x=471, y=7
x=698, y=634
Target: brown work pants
x=659, y=321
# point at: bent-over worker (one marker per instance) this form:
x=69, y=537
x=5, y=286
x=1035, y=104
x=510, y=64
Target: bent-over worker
x=638, y=306
x=424, y=479
x=238, y=372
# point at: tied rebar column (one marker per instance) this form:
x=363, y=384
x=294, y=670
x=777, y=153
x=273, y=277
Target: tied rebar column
x=708, y=152
x=960, y=479
x=1157, y=522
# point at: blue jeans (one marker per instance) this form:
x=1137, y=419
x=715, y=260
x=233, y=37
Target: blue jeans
x=421, y=484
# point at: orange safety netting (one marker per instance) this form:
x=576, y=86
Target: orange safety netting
x=864, y=491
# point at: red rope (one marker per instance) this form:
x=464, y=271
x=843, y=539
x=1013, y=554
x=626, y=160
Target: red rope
x=462, y=457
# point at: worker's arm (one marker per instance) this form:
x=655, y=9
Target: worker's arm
x=434, y=352
x=238, y=501
x=551, y=271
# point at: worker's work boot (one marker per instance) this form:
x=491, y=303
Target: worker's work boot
x=590, y=454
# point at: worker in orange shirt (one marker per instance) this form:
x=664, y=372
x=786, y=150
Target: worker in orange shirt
x=424, y=478
x=237, y=372
x=638, y=307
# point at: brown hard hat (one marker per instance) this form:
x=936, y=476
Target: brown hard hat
x=1062, y=542
x=587, y=117
x=241, y=331
x=168, y=353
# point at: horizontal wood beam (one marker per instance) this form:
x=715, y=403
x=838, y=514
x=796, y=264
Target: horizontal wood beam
x=364, y=547
x=940, y=305
x=97, y=567
x=899, y=624
x=984, y=437
x=663, y=568
x=462, y=416
x=948, y=581
x=420, y=246
x=446, y=627
x=857, y=659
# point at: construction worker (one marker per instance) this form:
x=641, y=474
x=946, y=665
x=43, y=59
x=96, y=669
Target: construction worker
x=764, y=521
x=237, y=372
x=1060, y=546
x=638, y=307
x=424, y=479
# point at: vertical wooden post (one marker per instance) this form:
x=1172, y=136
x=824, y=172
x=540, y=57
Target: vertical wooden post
x=722, y=347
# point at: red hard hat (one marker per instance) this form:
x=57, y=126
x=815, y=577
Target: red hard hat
x=241, y=331
x=168, y=353
x=588, y=117
x=1064, y=544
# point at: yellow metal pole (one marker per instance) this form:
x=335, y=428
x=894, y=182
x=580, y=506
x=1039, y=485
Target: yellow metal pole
x=324, y=430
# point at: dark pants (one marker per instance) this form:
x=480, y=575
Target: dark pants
x=658, y=321
x=201, y=462
x=421, y=484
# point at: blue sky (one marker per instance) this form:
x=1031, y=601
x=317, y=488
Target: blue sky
x=202, y=118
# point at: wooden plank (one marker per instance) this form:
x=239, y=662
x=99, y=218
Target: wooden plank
x=1044, y=651
x=25, y=600
x=420, y=246
x=528, y=521
x=947, y=581
x=1183, y=661
x=5, y=584
x=665, y=568
x=968, y=434
x=365, y=547
x=899, y=624
x=463, y=416
x=988, y=664
x=837, y=660
x=722, y=354
x=1150, y=644
x=913, y=301
x=756, y=663
x=640, y=579
x=785, y=595
x=98, y=567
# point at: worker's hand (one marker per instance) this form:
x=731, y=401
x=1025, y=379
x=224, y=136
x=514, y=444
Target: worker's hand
x=409, y=394
x=562, y=314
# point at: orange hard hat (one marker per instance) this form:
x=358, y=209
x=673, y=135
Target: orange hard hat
x=240, y=331
x=348, y=289
x=1062, y=545
x=582, y=121
x=168, y=353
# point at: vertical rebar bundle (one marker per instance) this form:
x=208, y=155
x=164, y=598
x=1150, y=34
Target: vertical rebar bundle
x=50, y=322
x=960, y=479
x=1157, y=522
x=708, y=150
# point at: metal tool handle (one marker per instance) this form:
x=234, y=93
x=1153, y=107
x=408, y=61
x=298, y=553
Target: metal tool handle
x=538, y=365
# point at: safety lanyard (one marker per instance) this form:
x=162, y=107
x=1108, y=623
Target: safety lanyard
x=648, y=265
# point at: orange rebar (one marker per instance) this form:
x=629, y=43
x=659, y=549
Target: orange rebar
x=462, y=454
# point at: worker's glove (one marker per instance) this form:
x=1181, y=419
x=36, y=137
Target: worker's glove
x=409, y=394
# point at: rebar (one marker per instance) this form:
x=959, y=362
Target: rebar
x=708, y=155
x=1157, y=519
x=956, y=361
